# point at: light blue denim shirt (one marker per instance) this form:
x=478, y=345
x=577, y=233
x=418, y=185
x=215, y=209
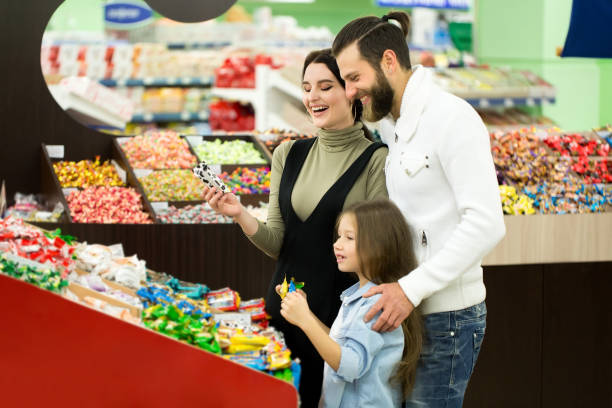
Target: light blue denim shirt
x=368, y=358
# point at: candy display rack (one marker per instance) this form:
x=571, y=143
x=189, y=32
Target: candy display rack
x=52, y=188
x=257, y=145
x=75, y=349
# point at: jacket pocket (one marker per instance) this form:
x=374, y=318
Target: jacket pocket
x=412, y=164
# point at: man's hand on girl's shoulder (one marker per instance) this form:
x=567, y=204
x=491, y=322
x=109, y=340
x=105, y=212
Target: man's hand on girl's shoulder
x=395, y=306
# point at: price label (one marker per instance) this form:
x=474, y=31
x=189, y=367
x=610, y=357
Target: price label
x=55, y=151
x=185, y=80
x=159, y=205
x=117, y=250
x=508, y=103
x=194, y=140
x=239, y=318
x=68, y=190
x=122, y=140
x=147, y=81
x=121, y=82
x=203, y=115
x=171, y=80
x=185, y=116
x=142, y=172
x=530, y=102
x=483, y=103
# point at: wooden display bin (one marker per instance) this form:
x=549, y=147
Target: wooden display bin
x=52, y=189
x=56, y=352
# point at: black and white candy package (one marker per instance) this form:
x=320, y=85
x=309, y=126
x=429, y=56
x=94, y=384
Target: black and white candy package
x=208, y=177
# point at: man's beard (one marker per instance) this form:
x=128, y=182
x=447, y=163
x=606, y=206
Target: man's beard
x=381, y=99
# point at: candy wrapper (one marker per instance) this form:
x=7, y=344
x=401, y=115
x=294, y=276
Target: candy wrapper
x=224, y=299
x=29, y=272
x=291, y=287
x=256, y=307
x=208, y=177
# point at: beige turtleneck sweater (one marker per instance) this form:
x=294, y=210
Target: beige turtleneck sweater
x=331, y=155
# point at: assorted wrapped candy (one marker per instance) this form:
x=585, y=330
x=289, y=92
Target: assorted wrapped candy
x=48, y=248
x=104, y=205
x=273, y=138
x=87, y=173
x=43, y=277
x=248, y=181
x=172, y=185
x=158, y=150
x=228, y=152
x=192, y=214
x=515, y=204
x=568, y=182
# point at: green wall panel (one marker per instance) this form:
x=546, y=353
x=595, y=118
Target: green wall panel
x=577, y=104
x=605, y=95
x=509, y=29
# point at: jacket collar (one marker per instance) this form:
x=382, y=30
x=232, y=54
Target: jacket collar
x=415, y=97
x=355, y=292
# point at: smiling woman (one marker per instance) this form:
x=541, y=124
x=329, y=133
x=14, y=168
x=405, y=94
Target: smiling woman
x=312, y=181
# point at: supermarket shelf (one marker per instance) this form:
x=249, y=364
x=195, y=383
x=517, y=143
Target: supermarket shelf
x=236, y=94
x=170, y=117
x=279, y=82
x=161, y=81
x=507, y=102
x=83, y=110
x=198, y=45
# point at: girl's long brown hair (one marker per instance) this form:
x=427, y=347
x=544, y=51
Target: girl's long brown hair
x=384, y=247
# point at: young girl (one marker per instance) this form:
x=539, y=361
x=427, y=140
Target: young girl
x=364, y=367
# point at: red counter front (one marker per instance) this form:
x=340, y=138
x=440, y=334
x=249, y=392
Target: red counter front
x=57, y=353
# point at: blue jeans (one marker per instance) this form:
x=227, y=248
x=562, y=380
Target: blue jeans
x=451, y=347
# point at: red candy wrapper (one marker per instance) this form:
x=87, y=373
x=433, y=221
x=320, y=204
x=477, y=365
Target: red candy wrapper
x=223, y=299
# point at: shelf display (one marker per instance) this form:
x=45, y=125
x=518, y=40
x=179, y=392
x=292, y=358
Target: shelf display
x=29, y=207
x=157, y=150
x=274, y=137
x=106, y=205
x=244, y=181
x=87, y=173
x=172, y=185
x=187, y=312
x=513, y=117
x=235, y=151
x=525, y=162
x=192, y=214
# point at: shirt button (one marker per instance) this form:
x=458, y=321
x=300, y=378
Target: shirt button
x=452, y=334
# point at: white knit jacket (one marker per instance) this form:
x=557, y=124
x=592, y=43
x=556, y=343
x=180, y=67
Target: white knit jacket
x=441, y=175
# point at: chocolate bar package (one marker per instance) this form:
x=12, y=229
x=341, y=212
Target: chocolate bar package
x=208, y=177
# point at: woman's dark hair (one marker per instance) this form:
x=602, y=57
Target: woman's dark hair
x=374, y=35
x=325, y=56
x=384, y=247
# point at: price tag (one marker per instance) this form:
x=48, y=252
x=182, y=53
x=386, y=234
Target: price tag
x=530, y=102
x=545, y=101
x=68, y=190
x=122, y=140
x=171, y=80
x=483, y=103
x=508, y=103
x=142, y=172
x=239, y=318
x=147, y=81
x=120, y=172
x=121, y=82
x=185, y=116
x=148, y=117
x=117, y=250
x=159, y=205
x=203, y=115
x=55, y=151
x=194, y=140
x=185, y=80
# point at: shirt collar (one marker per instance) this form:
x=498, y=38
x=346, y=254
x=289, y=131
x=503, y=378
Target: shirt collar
x=414, y=99
x=355, y=292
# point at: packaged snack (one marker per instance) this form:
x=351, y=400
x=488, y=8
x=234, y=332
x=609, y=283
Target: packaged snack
x=224, y=299
x=208, y=177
